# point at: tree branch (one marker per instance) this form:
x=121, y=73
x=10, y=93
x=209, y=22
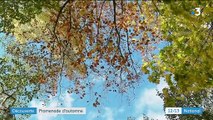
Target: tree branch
x=116, y=29
x=59, y=14
x=153, y=2
x=130, y=51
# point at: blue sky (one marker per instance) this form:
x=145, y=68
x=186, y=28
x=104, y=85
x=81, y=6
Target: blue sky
x=141, y=100
x=114, y=106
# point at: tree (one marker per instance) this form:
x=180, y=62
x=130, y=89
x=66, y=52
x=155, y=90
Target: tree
x=83, y=37
x=22, y=11
x=102, y=37
x=16, y=88
x=78, y=38
x=186, y=63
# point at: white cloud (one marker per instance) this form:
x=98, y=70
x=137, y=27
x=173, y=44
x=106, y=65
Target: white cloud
x=150, y=103
x=156, y=116
x=162, y=84
x=153, y=115
x=98, y=78
x=108, y=114
x=121, y=110
x=37, y=104
x=66, y=98
x=92, y=115
x=150, y=100
x=46, y=117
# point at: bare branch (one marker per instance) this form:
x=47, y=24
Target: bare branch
x=116, y=29
x=130, y=51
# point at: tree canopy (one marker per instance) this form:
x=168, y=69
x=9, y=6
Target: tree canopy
x=186, y=63
x=84, y=37
x=16, y=90
x=76, y=38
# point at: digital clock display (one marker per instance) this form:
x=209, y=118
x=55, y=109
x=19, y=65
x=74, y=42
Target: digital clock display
x=173, y=110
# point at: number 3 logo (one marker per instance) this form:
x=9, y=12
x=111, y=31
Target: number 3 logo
x=197, y=11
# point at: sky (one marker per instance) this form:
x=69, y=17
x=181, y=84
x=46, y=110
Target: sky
x=142, y=100
x=114, y=107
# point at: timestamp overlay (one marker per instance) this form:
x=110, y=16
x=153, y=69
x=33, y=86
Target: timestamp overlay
x=184, y=110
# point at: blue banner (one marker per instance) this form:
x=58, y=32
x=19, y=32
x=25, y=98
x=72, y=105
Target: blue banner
x=192, y=110
x=23, y=111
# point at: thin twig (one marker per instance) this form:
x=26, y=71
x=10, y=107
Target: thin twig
x=130, y=51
